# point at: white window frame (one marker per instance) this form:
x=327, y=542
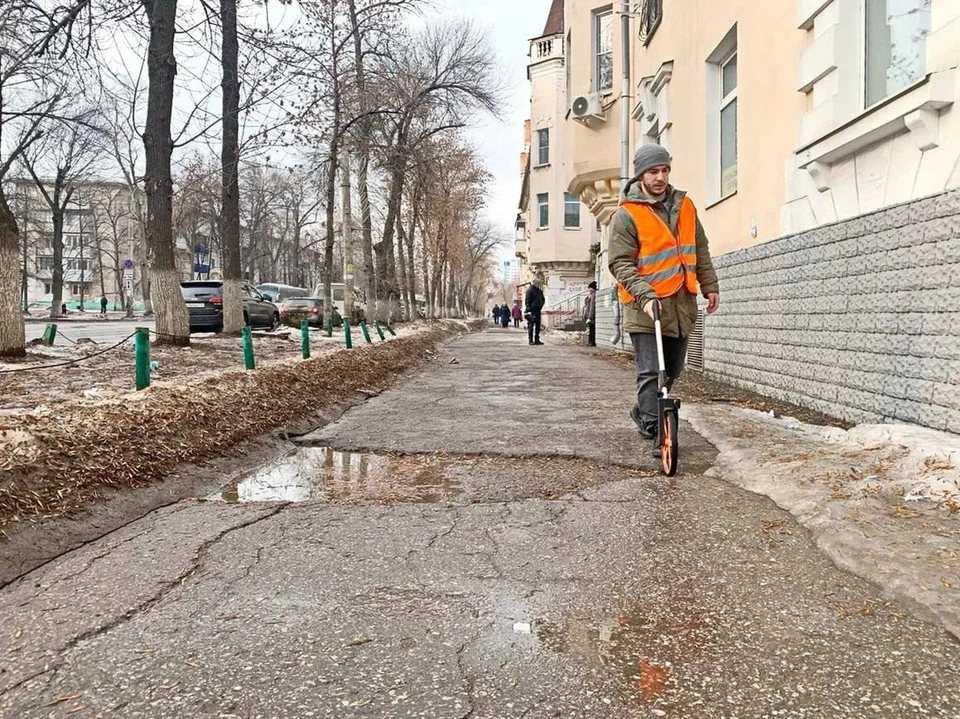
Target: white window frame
x=595, y=56
x=541, y=225
x=862, y=88
x=569, y=198
x=725, y=101
x=725, y=51
x=541, y=134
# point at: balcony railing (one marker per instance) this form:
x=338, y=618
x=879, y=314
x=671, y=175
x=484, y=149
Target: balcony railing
x=546, y=48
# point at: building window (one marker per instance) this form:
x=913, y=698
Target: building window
x=543, y=210
x=728, y=126
x=571, y=211
x=895, y=46
x=603, y=49
x=651, y=13
x=543, y=147
x=47, y=288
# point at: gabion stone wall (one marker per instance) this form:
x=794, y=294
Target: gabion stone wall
x=859, y=319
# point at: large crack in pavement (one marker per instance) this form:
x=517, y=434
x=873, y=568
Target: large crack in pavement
x=141, y=607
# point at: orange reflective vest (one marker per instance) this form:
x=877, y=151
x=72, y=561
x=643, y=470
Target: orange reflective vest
x=665, y=262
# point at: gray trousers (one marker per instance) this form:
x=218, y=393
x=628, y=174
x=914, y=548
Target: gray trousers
x=645, y=356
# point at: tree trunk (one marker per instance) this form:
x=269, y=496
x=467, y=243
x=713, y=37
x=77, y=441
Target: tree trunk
x=386, y=267
x=24, y=277
x=173, y=326
x=229, y=156
x=331, y=185
x=57, y=262
x=405, y=313
x=368, y=277
x=424, y=272
x=412, y=275
x=12, y=338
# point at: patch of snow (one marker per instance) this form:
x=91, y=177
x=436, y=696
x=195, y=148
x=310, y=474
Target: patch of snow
x=873, y=497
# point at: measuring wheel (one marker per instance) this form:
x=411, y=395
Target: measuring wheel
x=668, y=408
x=669, y=438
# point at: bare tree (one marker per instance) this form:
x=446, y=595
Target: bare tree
x=172, y=322
x=65, y=155
x=448, y=73
x=28, y=95
x=229, y=60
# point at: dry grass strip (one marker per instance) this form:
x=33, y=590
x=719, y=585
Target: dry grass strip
x=59, y=460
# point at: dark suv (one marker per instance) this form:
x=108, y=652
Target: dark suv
x=204, y=299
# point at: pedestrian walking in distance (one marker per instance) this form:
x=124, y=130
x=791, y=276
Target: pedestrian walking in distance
x=504, y=315
x=103, y=305
x=533, y=302
x=590, y=314
x=658, y=251
x=496, y=314
x=516, y=313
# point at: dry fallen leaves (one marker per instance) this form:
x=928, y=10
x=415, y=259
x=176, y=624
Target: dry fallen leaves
x=83, y=447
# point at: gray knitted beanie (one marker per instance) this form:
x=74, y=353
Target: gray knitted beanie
x=648, y=156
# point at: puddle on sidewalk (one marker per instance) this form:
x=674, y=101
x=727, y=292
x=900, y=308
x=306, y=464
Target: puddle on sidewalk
x=327, y=475
x=643, y=648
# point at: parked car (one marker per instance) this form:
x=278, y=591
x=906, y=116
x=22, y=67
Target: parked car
x=204, y=299
x=306, y=308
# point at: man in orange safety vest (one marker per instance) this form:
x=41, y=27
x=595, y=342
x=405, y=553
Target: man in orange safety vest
x=659, y=251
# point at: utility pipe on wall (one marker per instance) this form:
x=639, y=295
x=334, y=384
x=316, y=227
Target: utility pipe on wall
x=625, y=95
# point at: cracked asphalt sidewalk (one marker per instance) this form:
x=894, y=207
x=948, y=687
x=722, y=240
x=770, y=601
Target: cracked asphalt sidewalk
x=555, y=575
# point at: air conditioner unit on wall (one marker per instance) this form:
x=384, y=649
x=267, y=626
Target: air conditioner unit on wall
x=587, y=108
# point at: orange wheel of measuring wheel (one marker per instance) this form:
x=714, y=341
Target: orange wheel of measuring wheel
x=669, y=446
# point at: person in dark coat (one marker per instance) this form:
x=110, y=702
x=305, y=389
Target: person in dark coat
x=496, y=314
x=590, y=314
x=516, y=313
x=504, y=315
x=534, y=301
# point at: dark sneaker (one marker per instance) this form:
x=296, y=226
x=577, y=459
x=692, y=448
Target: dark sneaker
x=645, y=431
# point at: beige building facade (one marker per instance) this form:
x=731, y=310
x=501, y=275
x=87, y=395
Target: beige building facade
x=557, y=230
x=780, y=116
x=820, y=142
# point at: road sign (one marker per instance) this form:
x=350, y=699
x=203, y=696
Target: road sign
x=128, y=265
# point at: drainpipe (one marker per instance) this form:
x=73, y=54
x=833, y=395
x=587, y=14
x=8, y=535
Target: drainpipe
x=625, y=95
x=625, y=98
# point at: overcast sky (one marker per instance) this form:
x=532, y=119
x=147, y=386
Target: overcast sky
x=511, y=24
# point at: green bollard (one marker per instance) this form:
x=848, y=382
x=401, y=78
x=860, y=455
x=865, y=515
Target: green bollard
x=366, y=332
x=248, y=359
x=347, y=337
x=50, y=334
x=379, y=331
x=305, y=339
x=142, y=357
x=390, y=330
x=330, y=326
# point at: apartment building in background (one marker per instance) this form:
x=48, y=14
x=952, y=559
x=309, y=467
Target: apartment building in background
x=555, y=232
x=820, y=142
x=101, y=231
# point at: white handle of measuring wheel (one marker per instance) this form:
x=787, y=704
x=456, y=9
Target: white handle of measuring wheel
x=656, y=328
